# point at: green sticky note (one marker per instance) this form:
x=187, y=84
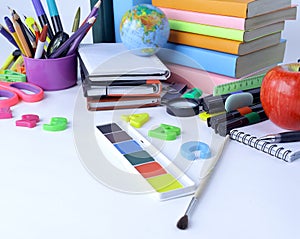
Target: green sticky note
x=164, y=183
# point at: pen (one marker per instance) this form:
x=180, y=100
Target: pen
x=30, y=22
x=41, y=42
x=284, y=137
x=19, y=28
x=8, y=36
x=76, y=20
x=81, y=30
x=40, y=12
x=55, y=18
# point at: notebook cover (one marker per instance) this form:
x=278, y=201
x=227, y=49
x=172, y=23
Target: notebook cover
x=101, y=60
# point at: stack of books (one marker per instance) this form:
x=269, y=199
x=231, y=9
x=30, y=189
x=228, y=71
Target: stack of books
x=228, y=39
x=114, y=78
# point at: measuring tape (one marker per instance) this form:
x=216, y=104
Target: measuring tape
x=243, y=84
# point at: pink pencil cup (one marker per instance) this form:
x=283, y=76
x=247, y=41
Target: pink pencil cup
x=52, y=74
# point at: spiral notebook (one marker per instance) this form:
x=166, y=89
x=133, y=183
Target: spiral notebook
x=249, y=135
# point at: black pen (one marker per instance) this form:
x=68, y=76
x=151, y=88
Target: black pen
x=284, y=137
x=40, y=12
x=55, y=18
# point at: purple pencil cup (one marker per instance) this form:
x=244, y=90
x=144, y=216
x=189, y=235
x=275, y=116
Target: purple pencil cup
x=52, y=74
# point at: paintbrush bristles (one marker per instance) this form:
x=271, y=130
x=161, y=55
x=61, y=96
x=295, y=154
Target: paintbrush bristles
x=183, y=222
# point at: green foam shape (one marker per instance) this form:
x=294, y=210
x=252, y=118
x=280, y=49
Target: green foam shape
x=165, y=132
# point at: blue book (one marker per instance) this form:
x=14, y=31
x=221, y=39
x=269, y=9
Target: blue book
x=222, y=63
x=120, y=7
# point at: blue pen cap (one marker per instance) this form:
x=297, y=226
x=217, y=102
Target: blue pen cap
x=52, y=8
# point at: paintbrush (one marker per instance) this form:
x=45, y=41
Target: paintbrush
x=204, y=176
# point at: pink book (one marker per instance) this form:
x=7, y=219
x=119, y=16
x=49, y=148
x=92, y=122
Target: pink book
x=288, y=13
x=206, y=81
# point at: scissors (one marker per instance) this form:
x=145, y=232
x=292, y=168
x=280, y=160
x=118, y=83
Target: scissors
x=12, y=92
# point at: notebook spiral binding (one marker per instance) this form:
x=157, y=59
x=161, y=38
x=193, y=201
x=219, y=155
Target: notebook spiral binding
x=282, y=153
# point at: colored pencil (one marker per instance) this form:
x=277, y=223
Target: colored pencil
x=81, y=30
x=19, y=28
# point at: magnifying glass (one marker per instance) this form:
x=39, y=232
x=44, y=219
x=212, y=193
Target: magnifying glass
x=183, y=107
x=56, y=42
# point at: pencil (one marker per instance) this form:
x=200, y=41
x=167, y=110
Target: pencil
x=81, y=30
x=19, y=28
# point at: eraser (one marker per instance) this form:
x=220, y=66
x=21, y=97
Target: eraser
x=238, y=100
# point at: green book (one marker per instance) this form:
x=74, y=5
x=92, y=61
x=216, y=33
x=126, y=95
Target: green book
x=227, y=33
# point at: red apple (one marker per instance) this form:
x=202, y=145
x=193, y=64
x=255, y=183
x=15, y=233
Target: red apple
x=280, y=95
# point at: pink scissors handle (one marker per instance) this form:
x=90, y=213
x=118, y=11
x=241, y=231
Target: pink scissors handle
x=11, y=98
x=18, y=87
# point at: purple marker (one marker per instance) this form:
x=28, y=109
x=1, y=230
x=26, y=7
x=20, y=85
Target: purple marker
x=8, y=36
x=40, y=12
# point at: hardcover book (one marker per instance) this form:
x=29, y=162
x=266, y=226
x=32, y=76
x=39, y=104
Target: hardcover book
x=121, y=102
x=222, y=63
x=227, y=33
x=245, y=24
x=223, y=45
x=235, y=8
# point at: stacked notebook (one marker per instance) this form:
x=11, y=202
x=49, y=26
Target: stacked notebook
x=114, y=78
x=232, y=38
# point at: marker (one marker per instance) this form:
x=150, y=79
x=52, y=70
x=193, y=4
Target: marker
x=284, y=137
x=55, y=18
x=11, y=28
x=215, y=120
x=214, y=104
x=8, y=36
x=41, y=42
x=42, y=16
x=252, y=118
x=81, y=30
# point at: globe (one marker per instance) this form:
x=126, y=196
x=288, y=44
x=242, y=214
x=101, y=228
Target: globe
x=144, y=29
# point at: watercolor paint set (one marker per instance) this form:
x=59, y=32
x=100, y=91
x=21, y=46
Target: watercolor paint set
x=127, y=147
